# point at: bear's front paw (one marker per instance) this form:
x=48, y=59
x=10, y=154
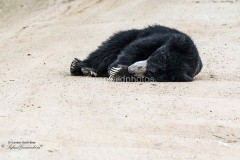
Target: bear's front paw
x=116, y=73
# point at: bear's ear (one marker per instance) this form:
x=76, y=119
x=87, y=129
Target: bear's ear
x=178, y=44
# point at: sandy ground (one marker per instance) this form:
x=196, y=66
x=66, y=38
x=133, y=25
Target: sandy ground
x=83, y=118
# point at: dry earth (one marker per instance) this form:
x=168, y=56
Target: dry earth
x=80, y=118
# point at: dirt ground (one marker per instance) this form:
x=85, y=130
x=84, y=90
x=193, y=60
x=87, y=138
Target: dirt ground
x=81, y=118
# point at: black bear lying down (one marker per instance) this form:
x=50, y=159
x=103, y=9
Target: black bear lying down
x=155, y=53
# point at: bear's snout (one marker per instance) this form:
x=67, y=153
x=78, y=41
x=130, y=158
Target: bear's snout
x=138, y=69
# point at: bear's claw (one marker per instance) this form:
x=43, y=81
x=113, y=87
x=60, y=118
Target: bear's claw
x=114, y=70
x=117, y=73
x=89, y=72
x=113, y=73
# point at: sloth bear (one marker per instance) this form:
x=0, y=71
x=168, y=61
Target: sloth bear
x=155, y=53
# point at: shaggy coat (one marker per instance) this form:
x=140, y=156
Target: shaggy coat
x=171, y=55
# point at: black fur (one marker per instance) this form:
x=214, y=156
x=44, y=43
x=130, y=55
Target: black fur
x=172, y=55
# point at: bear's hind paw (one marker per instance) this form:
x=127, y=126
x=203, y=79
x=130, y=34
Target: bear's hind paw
x=74, y=63
x=75, y=68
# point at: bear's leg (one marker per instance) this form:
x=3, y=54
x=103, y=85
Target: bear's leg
x=138, y=51
x=108, y=51
x=79, y=68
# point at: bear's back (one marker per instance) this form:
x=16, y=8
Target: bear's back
x=157, y=29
